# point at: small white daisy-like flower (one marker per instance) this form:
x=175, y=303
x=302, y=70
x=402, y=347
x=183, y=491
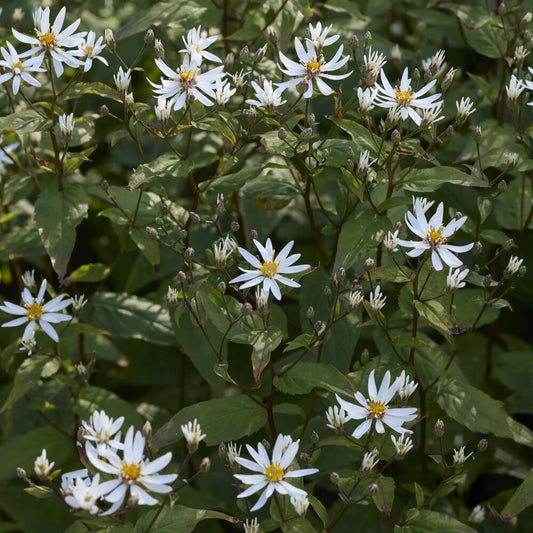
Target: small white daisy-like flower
x=375, y=410
x=513, y=266
x=406, y=387
x=366, y=99
x=90, y=50
x=233, y=453
x=364, y=164
x=42, y=466
x=193, y=434
x=455, y=277
x=376, y=300
x=464, y=109
x=430, y=116
x=318, y=37
x=251, y=526
x=103, y=430
x=35, y=311
x=195, y=47
x=132, y=471
x=370, y=460
x=514, y=90
x=373, y=62
x=239, y=79
x=459, y=457
x=84, y=493
x=122, y=79
x=187, y=82
x=79, y=302
x=28, y=343
x=172, y=296
x=402, y=445
x=336, y=416
x=266, y=96
x=66, y=125
x=435, y=237
x=300, y=504
x=222, y=251
x=28, y=279
x=391, y=241
x=435, y=65
x=223, y=92
x=477, y=515
x=404, y=98
x=355, y=298
x=271, y=474
x=261, y=299
x=162, y=109
x=422, y=204
x=68, y=479
x=520, y=54
x=312, y=67
x=269, y=272
x=19, y=70
x=53, y=40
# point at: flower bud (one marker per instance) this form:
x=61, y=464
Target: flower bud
x=449, y=130
x=334, y=478
x=151, y=232
x=318, y=325
x=110, y=39
x=82, y=370
x=189, y=253
x=502, y=9
x=526, y=20
x=181, y=276
x=396, y=136
x=487, y=281
x=195, y=217
x=147, y=431
x=222, y=450
x=252, y=113
x=305, y=458
x=104, y=110
x=477, y=249
x=205, y=465
x=448, y=79
x=182, y=233
x=302, y=86
x=439, y=428
x=477, y=134
x=247, y=308
x=310, y=313
x=327, y=290
x=159, y=49
x=229, y=60
x=272, y=35
x=354, y=41
x=80, y=435
x=314, y=437
x=502, y=186
x=512, y=159
x=266, y=444
x=259, y=54
x=482, y=445
x=369, y=264
x=21, y=473
x=221, y=287
x=234, y=226
x=416, y=75
x=306, y=134
x=244, y=54
x=133, y=501
x=373, y=488
x=148, y=36
x=398, y=226
x=129, y=100
x=282, y=133
x=253, y=235
x=365, y=356
x=367, y=38
x=508, y=244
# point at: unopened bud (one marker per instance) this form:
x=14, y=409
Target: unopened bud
x=339, y=276
x=195, y=217
x=252, y=113
x=182, y=233
x=159, y=221
x=222, y=450
x=350, y=164
x=205, y=465
x=416, y=75
x=369, y=264
x=477, y=134
x=449, y=130
x=189, y=253
x=151, y=232
x=521, y=271
x=21, y=473
x=181, y=276
x=159, y=49
x=149, y=36
x=502, y=9
x=147, y=431
x=487, y=281
x=439, y=428
x=396, y=136
x=327, y=290
x=272, y=35
x=247, y=308
x=482, y=445
x=191, y=98
x=305, y=458
x=221, y=205
x=334, y=478
x=302, y=87
x=318, y=325
x=502, y=186
x=253, y=234
x=526, y=20
x=306, y=134
x=365, y=356
x=367, y=38
x=110, y=39
x=508, y=244
x=105, y=185
x=477, y=248
x=80, y=435
x=282, y=133
x=82, y=370
x=266, y=444
x=398, y=226
x=229, y=60
x=458, y=215
x=221, y=287
x=259, y=54
x=129, y=100
x=244, y=54
x=310, y=313
x=373, y=488
x=354, y=41
x=314, y=437
x=448, y=79
x=104, y=110
x=234, y=226
x=512, y=159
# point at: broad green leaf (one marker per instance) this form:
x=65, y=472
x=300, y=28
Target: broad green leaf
x=178, y=519
x=233, y=182
x=148, y=246
x=57, y=213
x=168, y=164
x=263, y=344
x=384, y=497
x=477, y=411
x=221, y=419
x=101, y=89
x=483, y=84
x=511, y=209
x=515, y=370
x=485, y=40
x=24, y=122
x=522, y=498
x=391, y=273
x=270, y=187
x=90, y=272
x=319, y=509
x=362, y=138
x=21, y=241
x=430, y=522
x=419, y=493
x=40, y=492
x=129, y=317
x=297, y=525
x=216, y=125
x=430, y=179
x=304, y=377
x=437, y=316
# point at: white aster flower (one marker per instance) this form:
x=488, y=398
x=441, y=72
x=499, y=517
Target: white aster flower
x=376, y=300
x=402, y=445
x=391, y=241
x=376, y=409
x=28, y=279
x=261, y=299
x=366, y=99
x=373, y=62
x=464, y=109
x=318, y=37
x=66, y=125
x=68, y=479
x=355, y=298
x=172, y=296
x=406, y=387
x=132, y=471
x=251, y=526
x=435, y=237
x=477, y=515
x=193, y=434
x=364, y=163
x=514, y=90
x=430, y=116
x=35, y=311
x=84, y=493
x=455, y=277
x=370, y=460
x=53, y=40
x=42, y=466
x=28, y=343
x=520, y=54
x=233, y=453
x=195, y=47
x=223, y=92
x=222, y=250
x=312, y=67
x=187, y=82
x=513, y=266
x=435, y=65
x=336, y=416
x=271, y=474
x=300, y=504
x=103, y=430
x=78, y=302
x=122, y=79
x=162, y=109
x=90, y=50
x=459, y=457
x=269, y=272
x=266, y=96
x=403, y=97
x=422, y=204
x=239, y=79
x=18, y=70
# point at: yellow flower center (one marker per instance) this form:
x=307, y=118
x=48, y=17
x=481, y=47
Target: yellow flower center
x=88, y=50
x=313, y=66
x=88, y=498
x=404, y=97
x=434, y=236
x=198, y=48
x=376, y=410
x=17, y=67
x=188, y=77
x=35, y=311
x=130, y=473
x=48, y=40
x=269, y=268
x=274, y=473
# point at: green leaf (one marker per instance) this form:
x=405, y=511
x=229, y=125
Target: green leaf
x=391, y=273
x=129, y=317
x=319, y=509
x=178, y=519
x=304, y=377
x=57, y=213
x=360, y=135
x=233, y=182
x=430, y=179
x=90, y=272
x=263, y=343
x=522, y=498
x=384, y=497
x=101, y=89
x=437, y=316
x=21, y=241
x=148, y=246
x=485, y=41
x=430, y=522
x=270, y=187
x=419, y=493
x=24, y=122
x=479, y=412
x=168, y=164
x=39, y=492
x=221, y=419
x=297, y=525
x=483, y=84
